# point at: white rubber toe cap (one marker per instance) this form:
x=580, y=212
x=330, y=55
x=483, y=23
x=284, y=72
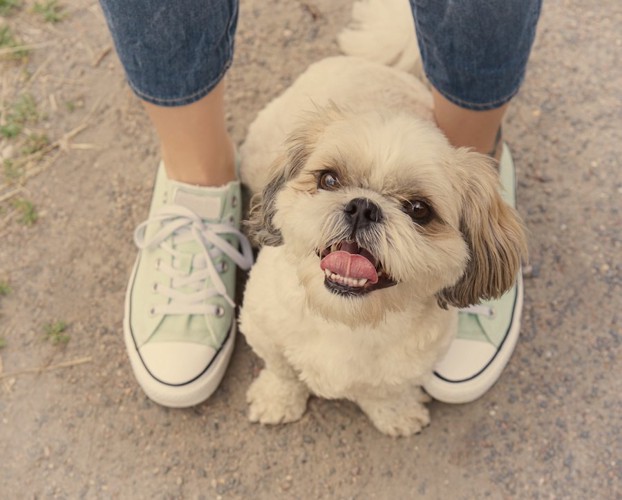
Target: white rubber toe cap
x=465, y=359
x=176, y=363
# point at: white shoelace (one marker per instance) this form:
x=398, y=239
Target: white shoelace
x=186, y=226
x=479, y=310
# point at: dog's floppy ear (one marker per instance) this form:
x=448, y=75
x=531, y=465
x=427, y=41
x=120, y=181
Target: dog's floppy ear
x=492, y=230
x=259, y=225
x=299, y=144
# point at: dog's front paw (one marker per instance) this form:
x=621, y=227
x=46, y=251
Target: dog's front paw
x=276, y=400
x=397, y=417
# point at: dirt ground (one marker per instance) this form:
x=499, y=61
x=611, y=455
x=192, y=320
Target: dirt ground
x=73, y=421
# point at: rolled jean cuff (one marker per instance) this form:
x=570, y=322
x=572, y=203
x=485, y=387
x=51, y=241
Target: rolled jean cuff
x=475, y=52
x=173, y=53
x=477, y=106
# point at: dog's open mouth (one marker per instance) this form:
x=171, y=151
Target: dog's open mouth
x=352, y=270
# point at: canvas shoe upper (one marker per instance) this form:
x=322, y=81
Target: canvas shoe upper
x=179, y=313
x=487, y=332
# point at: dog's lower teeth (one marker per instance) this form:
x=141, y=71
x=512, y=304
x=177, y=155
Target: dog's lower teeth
x=343, y=280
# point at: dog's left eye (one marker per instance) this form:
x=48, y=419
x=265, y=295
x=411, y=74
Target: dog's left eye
x=419, y=211
x=328, y=181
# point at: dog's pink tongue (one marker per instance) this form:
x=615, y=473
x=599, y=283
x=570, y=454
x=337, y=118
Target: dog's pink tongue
x=349, y=265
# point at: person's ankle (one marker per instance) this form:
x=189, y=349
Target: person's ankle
x=497, y=147
x=216, y=170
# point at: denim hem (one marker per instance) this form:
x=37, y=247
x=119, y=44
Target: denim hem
x=184, y=100
x=475, y=106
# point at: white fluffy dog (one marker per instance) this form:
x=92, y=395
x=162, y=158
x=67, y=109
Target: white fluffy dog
x=373, y=230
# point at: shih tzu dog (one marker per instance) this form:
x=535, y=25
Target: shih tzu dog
x=373, y=230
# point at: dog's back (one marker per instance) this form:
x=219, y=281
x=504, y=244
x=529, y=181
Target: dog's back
x=382, y=31
x=381, y=50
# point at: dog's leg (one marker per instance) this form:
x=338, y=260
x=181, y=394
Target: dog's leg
x=277, y=395
x=397, y=413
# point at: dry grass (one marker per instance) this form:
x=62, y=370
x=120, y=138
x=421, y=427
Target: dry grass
x=28, y=144
x=41, y=369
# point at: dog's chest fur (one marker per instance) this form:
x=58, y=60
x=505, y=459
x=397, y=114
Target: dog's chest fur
x=334, y=360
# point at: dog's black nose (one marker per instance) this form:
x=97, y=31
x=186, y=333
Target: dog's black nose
x=361, y=212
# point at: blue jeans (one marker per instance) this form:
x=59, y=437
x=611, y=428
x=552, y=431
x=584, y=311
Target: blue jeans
x=175, y=52
x=475, y=52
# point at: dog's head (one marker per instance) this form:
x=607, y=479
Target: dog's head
x=378, y=213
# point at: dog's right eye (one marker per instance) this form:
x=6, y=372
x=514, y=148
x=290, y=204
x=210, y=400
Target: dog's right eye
x=328, y=181
x=419, y=211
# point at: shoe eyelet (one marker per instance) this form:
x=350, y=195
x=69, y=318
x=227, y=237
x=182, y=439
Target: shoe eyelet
x=157, y=263
x=152, y=312
x=154, y=287
x=234, y=201
x=219, y=312
x=224, y=267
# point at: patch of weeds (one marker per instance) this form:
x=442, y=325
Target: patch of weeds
x=10, y=130
x=55, y=332
x=5, y=289
x=8, y=41
x=6, y=37
x=24, y=110
x=11, y=172
x=70, y=106
x=28, y=212
x=34, y=143
x=8, y=7
x=50, y=11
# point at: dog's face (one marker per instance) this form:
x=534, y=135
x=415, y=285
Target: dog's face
x=379, y=213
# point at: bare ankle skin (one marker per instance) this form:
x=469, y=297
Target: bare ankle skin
x=196, y=147
x=479, y=130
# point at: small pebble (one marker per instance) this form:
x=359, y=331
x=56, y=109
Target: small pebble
x=7, y=152
x=531, y=271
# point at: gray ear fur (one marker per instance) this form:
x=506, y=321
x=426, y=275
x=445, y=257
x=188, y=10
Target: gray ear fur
x=493, y=232
x=299, y=144
x=259, y=226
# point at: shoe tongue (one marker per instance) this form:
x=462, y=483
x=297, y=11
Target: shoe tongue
x=350, y=265
x=206, y=202
x=209, y=203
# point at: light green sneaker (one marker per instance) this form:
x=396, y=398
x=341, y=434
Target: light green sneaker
x=487, y=332
x=179, y=320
